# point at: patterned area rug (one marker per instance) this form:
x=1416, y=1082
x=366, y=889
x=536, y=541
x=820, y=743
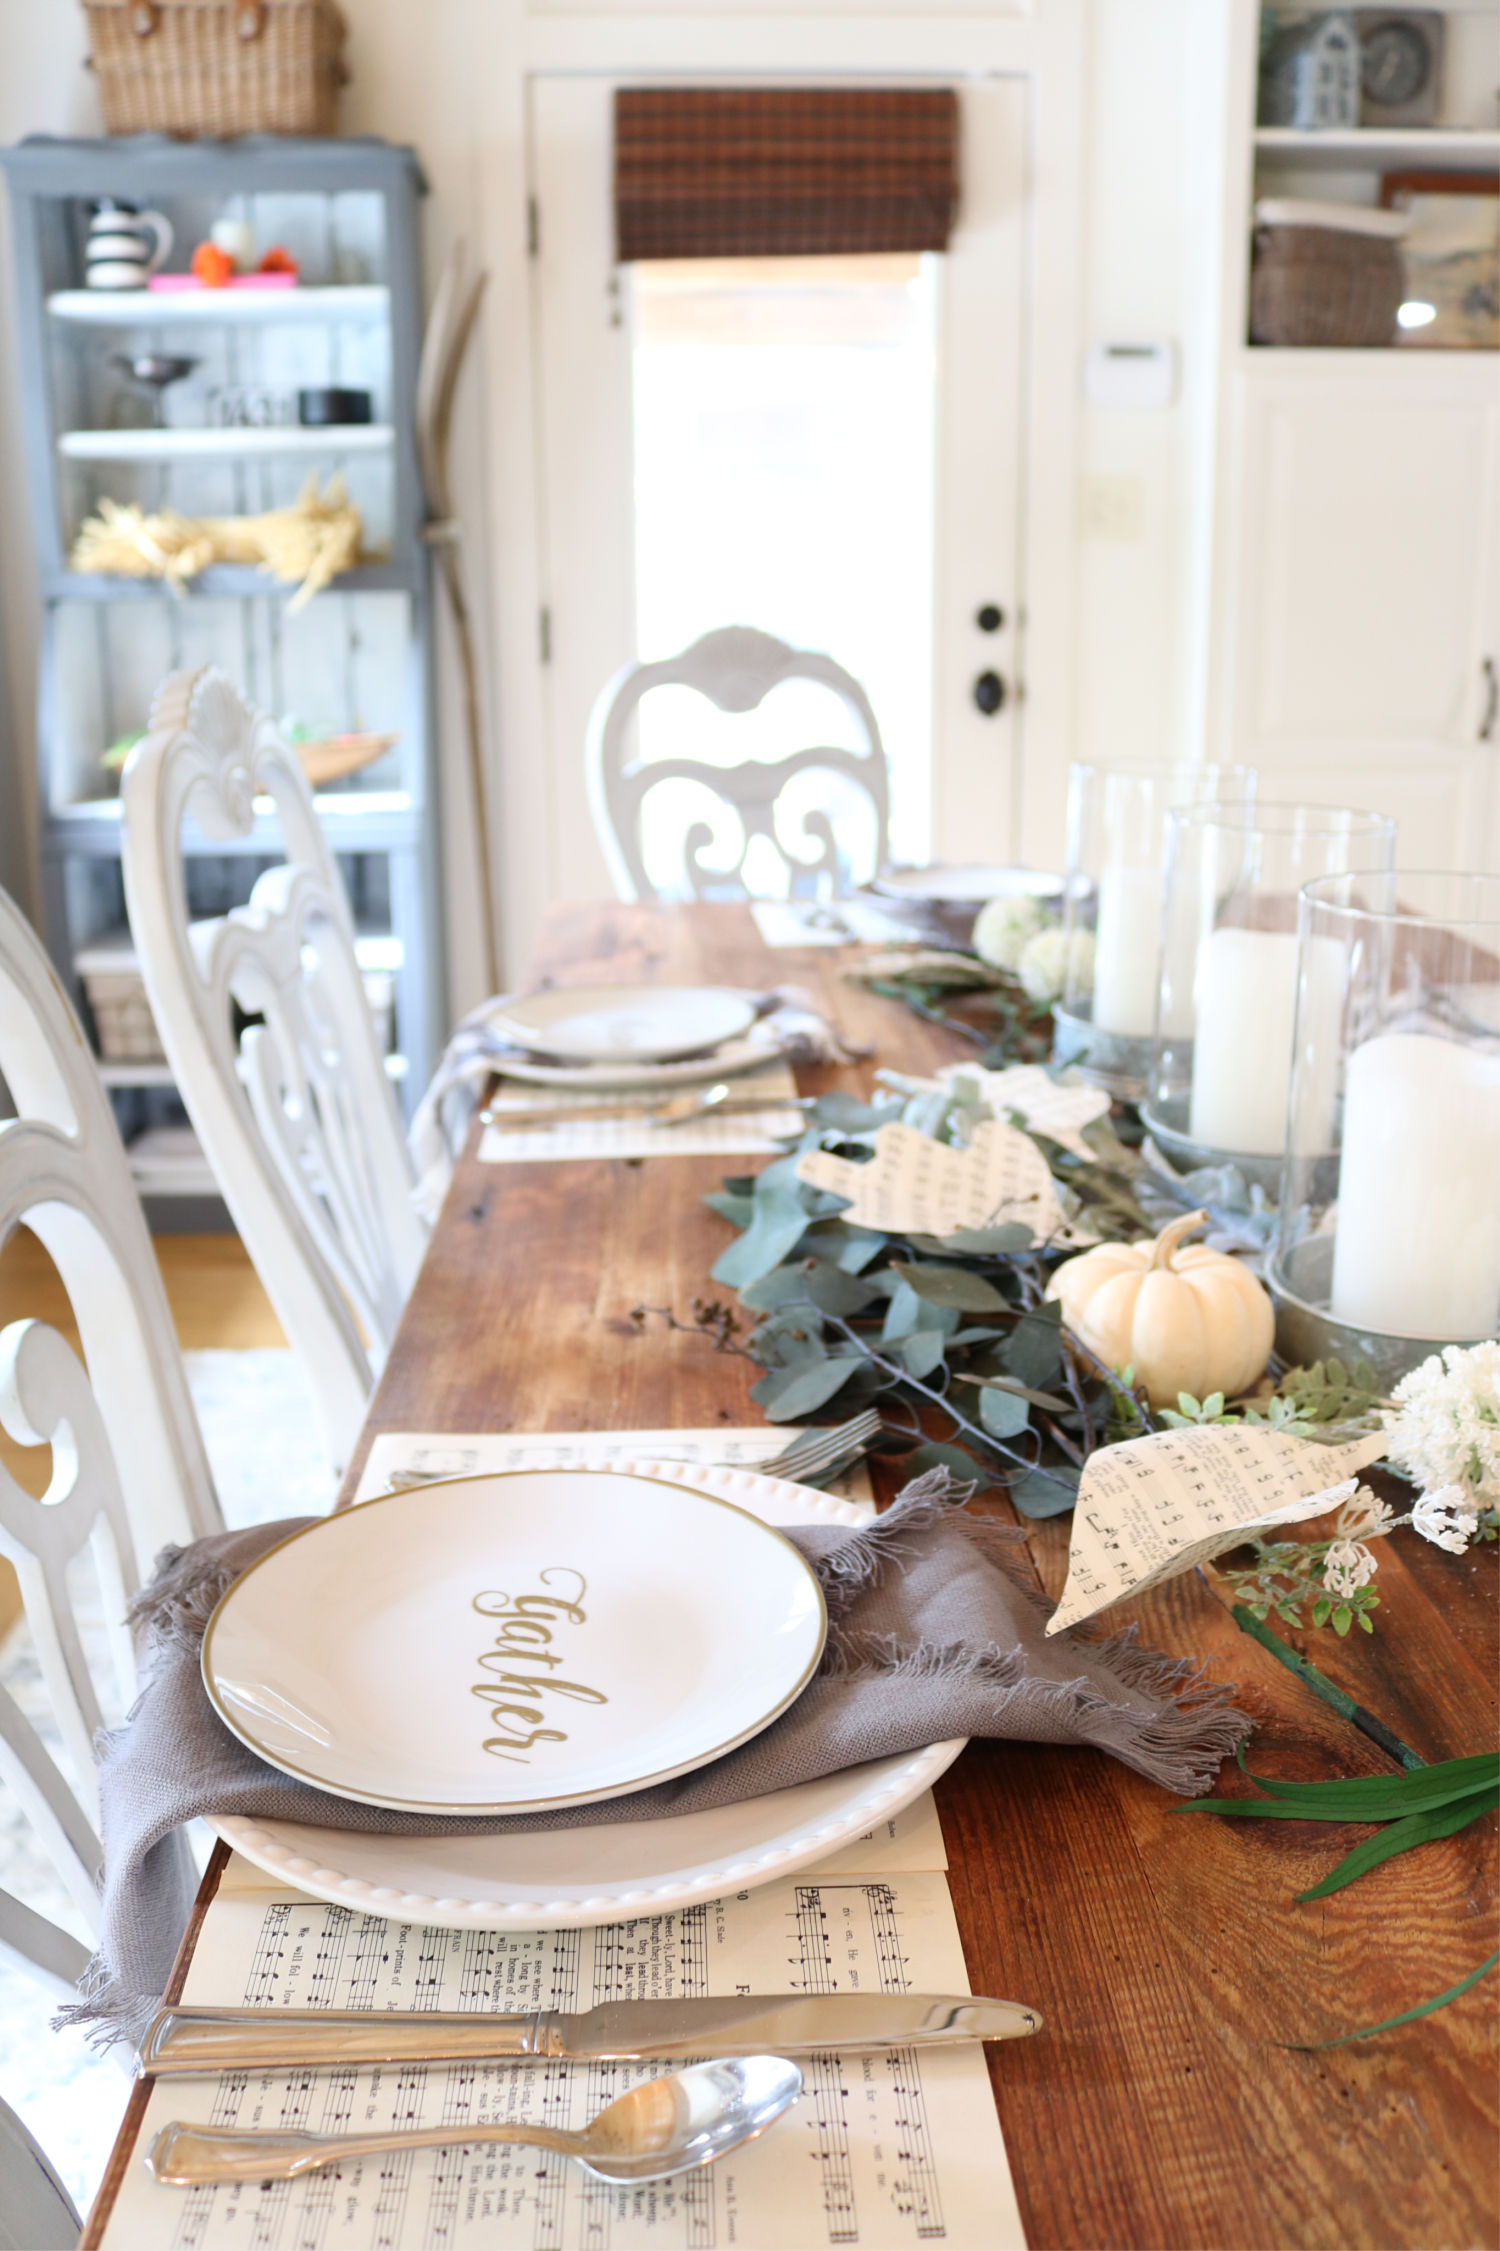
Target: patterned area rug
x=266, y=1453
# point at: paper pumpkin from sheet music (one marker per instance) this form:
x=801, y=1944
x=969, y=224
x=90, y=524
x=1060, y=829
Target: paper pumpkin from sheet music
x=915, y=1185
x=1155, y=1507
x=1061, y=1112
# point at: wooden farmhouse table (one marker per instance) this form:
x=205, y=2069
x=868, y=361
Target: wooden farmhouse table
x=1166, y=2102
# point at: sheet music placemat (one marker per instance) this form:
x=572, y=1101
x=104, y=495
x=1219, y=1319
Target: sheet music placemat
x=730, y=1133
x=883, y=2150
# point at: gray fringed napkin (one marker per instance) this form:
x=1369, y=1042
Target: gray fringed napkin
x=930, y=1636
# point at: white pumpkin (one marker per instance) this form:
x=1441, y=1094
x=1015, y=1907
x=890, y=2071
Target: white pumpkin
x=1184, y=1317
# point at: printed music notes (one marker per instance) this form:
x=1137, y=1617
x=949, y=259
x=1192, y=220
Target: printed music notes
x=1158, y=1506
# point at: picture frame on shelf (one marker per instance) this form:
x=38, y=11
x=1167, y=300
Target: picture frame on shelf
x=1451, y=258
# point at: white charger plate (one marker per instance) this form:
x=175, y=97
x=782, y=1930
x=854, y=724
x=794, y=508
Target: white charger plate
x=514, y=1642
x=626, y=1023
x=568, y=1879
x=760, y=1046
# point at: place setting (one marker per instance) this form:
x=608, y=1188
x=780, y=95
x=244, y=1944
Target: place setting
x=621, y=1071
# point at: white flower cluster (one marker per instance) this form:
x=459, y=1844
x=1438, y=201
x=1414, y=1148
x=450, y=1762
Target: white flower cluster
x=1446, y=1432
x=1002, y=929
x=1347, y=1567
x=1055, y=960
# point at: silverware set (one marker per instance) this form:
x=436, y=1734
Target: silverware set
x=668, y=2125
x=676, y=1110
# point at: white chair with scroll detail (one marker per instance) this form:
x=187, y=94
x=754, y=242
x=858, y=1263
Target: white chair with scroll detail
x=736, y=668
x=295, y=1113
x=128, y=1469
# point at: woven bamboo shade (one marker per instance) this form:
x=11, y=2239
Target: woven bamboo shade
x=713, y=172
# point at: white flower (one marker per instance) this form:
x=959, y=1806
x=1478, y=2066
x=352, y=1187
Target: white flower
x=1364, y=1517
x=1446, y=1430
x=1055, y=961
x=1002, y=927
x=1348, y=1567
x=1447, y=1518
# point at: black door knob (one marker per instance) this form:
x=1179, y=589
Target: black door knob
x=990, y=618
x=989, y=693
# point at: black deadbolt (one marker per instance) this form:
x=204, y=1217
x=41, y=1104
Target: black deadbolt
x=989, y=693
x=990, y=618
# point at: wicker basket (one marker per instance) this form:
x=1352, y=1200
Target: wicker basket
x=116, y=993
x=217, y=67
x=1322, y=286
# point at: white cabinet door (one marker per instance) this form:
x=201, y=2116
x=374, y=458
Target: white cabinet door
x=1360, y=622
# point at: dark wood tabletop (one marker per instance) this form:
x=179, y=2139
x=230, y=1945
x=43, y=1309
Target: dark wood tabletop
x=1167, y=2101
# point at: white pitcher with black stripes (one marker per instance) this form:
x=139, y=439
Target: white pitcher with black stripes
x=125, y=246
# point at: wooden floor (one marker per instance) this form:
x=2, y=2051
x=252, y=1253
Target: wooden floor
x=217, y=1304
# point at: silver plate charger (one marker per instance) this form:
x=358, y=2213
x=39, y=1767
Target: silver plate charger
x=516, y=1642
x=626, y=1023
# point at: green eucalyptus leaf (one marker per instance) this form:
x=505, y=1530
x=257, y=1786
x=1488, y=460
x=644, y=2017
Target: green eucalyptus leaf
x=828, y=1287
x=780, y=1218
x=1003, y=1412
x=856, y=1247
x=1051, y=1400
x=790, y=1338
x=1033, y=1351
x=789, y=1394
x=955, y=1287
x=990, y=1242
x=848, y=1114
x=903, y=1314
x=936, y=1455
x=922, y=1352
x=738, y=1210
x=975, y=1336
x=1041, y=1494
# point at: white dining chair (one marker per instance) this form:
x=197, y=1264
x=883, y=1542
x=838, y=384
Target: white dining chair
x=294, y=1111
x=736, y=668
x=128, y=1470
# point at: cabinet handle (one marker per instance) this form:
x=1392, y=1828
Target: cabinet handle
x=1491, y=700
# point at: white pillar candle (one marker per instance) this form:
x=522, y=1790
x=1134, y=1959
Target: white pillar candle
x=1417, y=1251
x=1127, y=940
x=1245, y=1008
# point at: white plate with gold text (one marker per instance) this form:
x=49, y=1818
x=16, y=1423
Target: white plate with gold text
x=514, y=1643
x=567, y=1878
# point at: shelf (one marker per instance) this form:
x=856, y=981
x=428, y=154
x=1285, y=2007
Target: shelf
x=137, y=1074
x=238, y=308
x=366, y=820
x=1415, y=148
x=227, y=582
x=223, y=445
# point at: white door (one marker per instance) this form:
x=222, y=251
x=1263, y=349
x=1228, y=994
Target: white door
x=1364, y=635
x=918, y=538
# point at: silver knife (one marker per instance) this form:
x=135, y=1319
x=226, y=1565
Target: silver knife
x=182, y=2041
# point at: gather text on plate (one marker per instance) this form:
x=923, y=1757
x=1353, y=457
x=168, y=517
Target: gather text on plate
x=519, y=1659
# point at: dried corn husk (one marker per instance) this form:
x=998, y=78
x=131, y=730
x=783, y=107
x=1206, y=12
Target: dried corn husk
x=306, y=545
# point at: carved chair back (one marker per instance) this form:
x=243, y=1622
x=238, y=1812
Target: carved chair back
x=736, y=668
x=128, y=1472
x=294, y=1111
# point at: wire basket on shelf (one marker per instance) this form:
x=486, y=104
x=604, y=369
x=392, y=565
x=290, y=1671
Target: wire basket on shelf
x=217, y=67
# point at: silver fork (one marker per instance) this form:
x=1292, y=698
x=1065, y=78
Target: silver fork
x=819, y=1456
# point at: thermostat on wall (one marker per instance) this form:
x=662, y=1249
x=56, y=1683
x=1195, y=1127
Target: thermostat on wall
x=1130, y=374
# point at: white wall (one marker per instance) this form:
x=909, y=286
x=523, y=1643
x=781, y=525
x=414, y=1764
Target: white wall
x=420, y=76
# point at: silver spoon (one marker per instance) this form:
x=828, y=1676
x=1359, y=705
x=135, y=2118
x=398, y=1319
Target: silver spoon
x=665, y=2126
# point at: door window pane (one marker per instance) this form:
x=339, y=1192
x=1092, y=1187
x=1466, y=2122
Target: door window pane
x=784, y=438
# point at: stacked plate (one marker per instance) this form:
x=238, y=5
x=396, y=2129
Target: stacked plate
x=633, y=1035
x=526, y=1643
x=940, y=904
